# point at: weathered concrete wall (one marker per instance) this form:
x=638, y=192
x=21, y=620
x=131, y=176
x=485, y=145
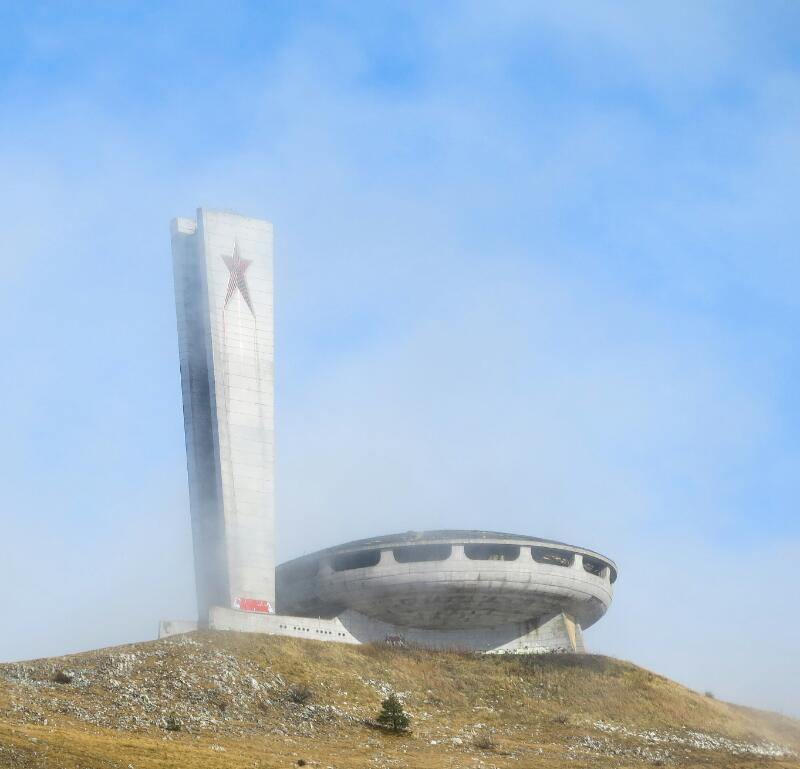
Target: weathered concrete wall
x=223, y=292
x=455, y=592
x=171, y=627
x=552, y=634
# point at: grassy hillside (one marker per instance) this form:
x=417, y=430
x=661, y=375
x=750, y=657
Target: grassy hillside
x=235, y=700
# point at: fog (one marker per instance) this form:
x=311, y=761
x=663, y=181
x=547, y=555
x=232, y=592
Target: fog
x=535, y=272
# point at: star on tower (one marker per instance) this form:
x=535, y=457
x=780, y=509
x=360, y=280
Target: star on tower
x=237, y=268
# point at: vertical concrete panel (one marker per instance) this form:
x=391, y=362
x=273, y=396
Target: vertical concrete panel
x=223, y=289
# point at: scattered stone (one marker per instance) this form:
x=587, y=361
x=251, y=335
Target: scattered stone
x=195, y=690
x=687, y=738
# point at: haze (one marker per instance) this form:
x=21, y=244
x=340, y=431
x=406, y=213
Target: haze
x=536, y=271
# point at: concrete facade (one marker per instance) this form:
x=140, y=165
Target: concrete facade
x=450, y=580
x=224, y=298
x=556, y=633
x=170, y=627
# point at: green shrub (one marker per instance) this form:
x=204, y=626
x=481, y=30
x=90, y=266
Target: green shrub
x=392, y=715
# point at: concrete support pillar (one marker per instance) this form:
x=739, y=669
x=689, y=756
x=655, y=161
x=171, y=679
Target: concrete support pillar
x=387, y=558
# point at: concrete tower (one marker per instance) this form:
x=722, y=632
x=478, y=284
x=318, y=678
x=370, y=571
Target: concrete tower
x=223, y=293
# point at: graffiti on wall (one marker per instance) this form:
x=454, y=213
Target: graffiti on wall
x=253, y=604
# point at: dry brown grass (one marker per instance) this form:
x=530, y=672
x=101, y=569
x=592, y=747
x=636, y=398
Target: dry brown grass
x=538, y=711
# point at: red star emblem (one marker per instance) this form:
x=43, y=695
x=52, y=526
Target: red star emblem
x=237, y=268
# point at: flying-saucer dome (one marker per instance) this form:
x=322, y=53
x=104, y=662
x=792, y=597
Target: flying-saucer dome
x=449, y=580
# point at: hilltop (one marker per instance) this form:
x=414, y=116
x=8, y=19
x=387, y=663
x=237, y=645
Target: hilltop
x=217, y=700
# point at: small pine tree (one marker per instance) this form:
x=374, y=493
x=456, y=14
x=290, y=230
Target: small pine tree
x=392, y=715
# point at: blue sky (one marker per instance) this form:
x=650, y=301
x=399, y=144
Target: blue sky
x=536, y=270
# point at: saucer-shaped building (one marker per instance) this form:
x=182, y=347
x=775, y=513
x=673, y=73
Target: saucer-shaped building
x=479, y=590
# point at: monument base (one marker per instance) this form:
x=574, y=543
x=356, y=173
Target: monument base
x=553, y=633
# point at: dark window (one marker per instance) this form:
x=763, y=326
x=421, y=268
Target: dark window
x=418, y=553
x=492, y=552
x=613, y=576
x=359, y=560
x=552, y=556
x=593, y=566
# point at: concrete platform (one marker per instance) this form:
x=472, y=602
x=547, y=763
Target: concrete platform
x=557, y=633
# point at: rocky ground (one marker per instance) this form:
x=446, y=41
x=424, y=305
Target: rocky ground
x=218, y=699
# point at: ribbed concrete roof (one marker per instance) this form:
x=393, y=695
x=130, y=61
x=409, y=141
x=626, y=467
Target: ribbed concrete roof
x=454, y=536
